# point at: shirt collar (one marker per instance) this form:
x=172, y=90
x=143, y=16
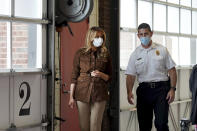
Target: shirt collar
x=153, y=45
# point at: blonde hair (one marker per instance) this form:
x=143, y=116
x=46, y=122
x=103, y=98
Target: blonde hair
x=91, y=34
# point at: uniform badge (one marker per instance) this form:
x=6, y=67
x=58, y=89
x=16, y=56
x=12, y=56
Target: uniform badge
x=157, y=52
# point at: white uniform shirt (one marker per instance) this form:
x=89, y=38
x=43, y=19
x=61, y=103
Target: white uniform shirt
x=151, y=64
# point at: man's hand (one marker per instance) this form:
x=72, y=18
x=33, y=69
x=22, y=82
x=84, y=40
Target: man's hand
x=130, y=98
x=170, y=96
x=173, y=80
x=129, y=84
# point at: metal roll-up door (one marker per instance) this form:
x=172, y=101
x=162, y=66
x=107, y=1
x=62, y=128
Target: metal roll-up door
x=23, y=90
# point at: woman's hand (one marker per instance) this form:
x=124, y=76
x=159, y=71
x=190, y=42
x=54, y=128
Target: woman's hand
x=99, y=74
x=96, y=73
x=71, y=102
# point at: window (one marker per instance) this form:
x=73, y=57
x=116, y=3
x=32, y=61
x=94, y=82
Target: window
x=194, y=3
x=173, y=23
x=25, y=45
x=184, y=51
x=185, y=2
x=33, y=8
x=172, y=46
x=22, y=36
x=185, y=21
x=5, y=7
x=159, y=17
x=128, y=17
x=127, y=46
x=194, y=21
x=145, y=15
x=4, y=49
x=173, y=20
x=193, y=51
x=173, y=1
x=159, y=39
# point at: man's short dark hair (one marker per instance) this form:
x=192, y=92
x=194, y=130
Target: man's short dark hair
x=144, y=26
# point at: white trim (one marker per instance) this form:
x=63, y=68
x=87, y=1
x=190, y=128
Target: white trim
x=160, y=33
x=171, y=4
x=24, y=20
x=179, y=67
x=27, y=70
x=9, y=72
x=9, y=45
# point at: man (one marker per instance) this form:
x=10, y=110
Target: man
x=152, y=64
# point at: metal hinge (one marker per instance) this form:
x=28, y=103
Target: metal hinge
x=44, y=122
x=45, y=71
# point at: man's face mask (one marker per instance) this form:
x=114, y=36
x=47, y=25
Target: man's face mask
x=97, y=42
x=145, y=40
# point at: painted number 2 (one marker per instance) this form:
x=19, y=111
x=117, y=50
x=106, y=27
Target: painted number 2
x=24, y=111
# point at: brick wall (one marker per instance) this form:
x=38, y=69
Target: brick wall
x=3, y=45
x=105, y=17
x=19, y=45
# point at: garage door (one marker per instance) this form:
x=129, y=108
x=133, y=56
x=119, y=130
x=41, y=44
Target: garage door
x=23, y=88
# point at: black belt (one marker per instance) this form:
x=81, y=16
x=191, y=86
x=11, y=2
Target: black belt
x=155, y=84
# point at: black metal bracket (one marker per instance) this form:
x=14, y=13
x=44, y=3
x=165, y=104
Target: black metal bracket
x=59, y=119
x=64, y=23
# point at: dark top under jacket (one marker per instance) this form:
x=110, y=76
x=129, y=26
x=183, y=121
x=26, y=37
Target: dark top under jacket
x=193, y=89
x=90, y=89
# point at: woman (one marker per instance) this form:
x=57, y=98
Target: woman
x=90, y=76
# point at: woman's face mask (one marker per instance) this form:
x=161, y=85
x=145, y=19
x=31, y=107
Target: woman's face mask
x=97, y=42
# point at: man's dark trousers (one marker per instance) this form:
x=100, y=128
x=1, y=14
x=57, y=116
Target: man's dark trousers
x=152, y=97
